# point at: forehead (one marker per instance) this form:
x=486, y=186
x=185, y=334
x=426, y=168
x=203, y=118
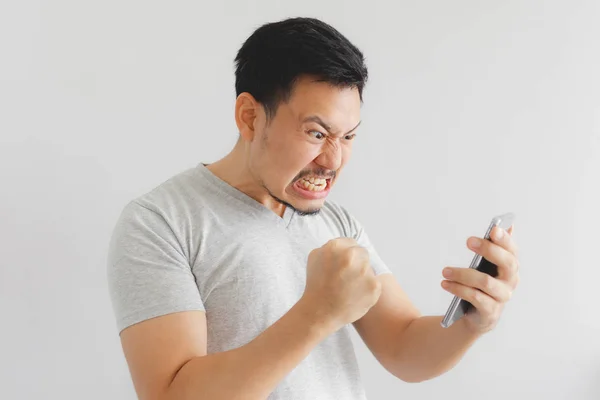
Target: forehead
x=340, y=106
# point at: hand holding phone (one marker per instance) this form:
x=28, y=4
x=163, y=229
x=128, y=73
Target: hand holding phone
x=459, y=307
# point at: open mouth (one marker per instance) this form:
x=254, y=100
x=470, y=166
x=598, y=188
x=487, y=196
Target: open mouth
x=312, y=188
x=314, y=184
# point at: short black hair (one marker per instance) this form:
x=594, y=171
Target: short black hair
x=278, y=53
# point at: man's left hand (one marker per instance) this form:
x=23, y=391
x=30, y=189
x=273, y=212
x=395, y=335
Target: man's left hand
x=486, y=293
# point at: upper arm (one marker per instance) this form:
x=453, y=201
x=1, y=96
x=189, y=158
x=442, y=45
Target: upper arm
x=382, y=326
x=157, y=348
x=156, y=301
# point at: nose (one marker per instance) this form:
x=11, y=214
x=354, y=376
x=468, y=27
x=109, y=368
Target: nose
x=331, y=156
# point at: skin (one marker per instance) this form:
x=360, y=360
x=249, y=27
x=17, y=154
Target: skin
x=272, y=155
x=167, y=355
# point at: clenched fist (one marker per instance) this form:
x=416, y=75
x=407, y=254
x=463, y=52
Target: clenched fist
x=340, y=284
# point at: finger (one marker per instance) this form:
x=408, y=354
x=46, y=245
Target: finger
x=506, y=261
x=495, y=288
x=341, y=242
x=361, y=258
x=504, y=239
x=481, y=301
x=511, y=229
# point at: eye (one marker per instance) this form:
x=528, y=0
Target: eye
x=350, y=137
x=316, y=134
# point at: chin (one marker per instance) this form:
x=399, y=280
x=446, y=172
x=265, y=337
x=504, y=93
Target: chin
x=307, y=211
x=302, y=208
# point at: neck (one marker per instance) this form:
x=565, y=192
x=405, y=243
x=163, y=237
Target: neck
x=234, y=170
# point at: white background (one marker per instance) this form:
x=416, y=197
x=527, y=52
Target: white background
x=473, y=108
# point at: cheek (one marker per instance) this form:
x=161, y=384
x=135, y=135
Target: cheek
x=306, y=153
x=283, y=160
x=347, y=152
x=294, y=154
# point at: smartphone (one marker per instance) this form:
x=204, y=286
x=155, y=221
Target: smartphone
x=459, y=307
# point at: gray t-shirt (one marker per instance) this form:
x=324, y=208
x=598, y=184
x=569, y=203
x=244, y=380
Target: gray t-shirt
x=196, y=243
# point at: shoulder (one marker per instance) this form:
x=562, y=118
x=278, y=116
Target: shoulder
x=173, y=195
x=163, y=212
x=174, y=202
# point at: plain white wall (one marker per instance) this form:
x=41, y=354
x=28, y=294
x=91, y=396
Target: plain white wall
x=473, y=108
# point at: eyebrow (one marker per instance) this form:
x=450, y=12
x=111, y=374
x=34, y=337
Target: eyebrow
x=327, y=127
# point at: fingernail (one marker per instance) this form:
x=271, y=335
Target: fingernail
x=447, y=272
x=474, y=243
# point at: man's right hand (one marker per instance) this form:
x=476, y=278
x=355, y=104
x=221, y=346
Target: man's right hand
x=340, y=284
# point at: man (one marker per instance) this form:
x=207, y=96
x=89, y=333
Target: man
x=239, y=280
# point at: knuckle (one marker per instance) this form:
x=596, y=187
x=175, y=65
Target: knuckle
x=340, y=242
x=477, y=296
x=355, y=253
x=365, y=269
x=487, y=282
x=375, y=286
x=333, y=243
x=516, y=265
x=351, y=254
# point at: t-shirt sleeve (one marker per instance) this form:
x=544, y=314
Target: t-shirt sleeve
x=378, y=265
x=148, y=273
x=357, y=231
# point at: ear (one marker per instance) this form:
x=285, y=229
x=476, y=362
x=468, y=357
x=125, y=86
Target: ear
x=246, y=112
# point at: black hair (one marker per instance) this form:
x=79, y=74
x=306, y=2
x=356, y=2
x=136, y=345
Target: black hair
x=278, y=53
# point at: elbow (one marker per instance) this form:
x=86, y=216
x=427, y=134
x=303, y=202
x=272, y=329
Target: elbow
x=413, y=378
x=411, y=374
x=408, y=377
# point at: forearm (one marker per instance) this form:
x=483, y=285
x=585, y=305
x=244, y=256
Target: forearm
x=426, y=350
x=252, y=371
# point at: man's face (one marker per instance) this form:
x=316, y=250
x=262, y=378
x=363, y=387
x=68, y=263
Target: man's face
x=299, y=154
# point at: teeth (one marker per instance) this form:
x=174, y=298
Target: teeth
x=313, y=184
x=316, y=181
